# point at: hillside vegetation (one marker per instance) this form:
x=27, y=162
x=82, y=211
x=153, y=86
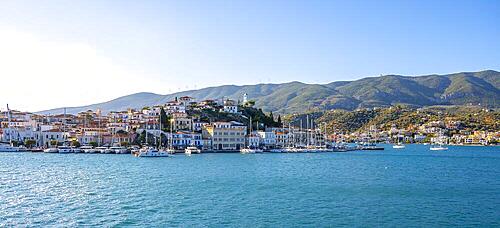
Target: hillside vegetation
x=477, y=88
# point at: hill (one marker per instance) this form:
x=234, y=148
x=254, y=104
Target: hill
x=417, y=91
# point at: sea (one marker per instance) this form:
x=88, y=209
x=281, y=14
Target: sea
x=413, y=187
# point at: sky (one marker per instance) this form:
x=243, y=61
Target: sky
x=71, y=53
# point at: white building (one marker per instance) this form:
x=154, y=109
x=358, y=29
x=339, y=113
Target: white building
x=230, y=107
x=267, y=139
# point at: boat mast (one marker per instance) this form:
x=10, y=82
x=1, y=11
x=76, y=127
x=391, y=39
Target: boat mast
x=159, y=146
x=8, y=124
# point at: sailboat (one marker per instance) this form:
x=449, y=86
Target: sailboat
x=248, y=149
x=398, y=145
x=149, y=151
x=439, y=145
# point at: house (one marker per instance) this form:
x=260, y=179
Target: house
x=174, y=106
x=267, y=139
x=181, y=121
x=226, y=135
x=230, y=106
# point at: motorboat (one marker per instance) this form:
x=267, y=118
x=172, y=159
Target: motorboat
x=88, y=149
x=371, y=146
x=4, y=147
x=192, y=149
x=119, y=150
x=277, y=150
x=101, y=149
x=51, y=150
x=151, y=152
x=64, y=149
x=76, y=150
x=250, y=151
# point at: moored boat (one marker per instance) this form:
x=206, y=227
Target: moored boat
x=151, y=152
x=438, y=147
x=191, y=150
x=51, y=150
x=64, y=149
x=4, y=147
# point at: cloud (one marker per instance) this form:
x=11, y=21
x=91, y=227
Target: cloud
x=38, y=74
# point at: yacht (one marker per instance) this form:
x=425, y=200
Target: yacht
x=119, y=149
x=4, y=147
x=64, y=149
x=151, y=152
x=88, y=149
x=192, y=149
x=76, y=150
x=438, y=147
x=51, y=150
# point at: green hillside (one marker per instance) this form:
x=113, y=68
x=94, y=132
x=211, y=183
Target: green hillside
x=477, y=88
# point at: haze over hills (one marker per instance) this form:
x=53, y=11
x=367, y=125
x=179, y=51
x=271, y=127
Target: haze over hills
x=451, y=89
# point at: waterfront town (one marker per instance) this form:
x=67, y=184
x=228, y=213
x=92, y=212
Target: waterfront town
x=228, y=129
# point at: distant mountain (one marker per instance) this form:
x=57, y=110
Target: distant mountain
x=460, y=88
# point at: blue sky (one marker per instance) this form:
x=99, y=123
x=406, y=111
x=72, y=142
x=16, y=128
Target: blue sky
x=167, y=46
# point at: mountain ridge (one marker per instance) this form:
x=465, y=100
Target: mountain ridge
x=449, y=89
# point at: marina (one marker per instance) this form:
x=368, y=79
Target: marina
x=414, y=186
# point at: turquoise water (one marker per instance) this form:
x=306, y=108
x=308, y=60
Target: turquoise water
x=411, y=187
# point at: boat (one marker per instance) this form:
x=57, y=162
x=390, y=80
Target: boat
x=4, y=147
x=398, y=146
x=101, y=149
x=151, y=152
x=76, y=150
x=64, y=149
x=51, y=150
x=438, y=147
x=36, y=149
x=371, y=146
x=191, y=150
x=119, y=149
x=88, y=149
x=276, y=150
x=250, y=151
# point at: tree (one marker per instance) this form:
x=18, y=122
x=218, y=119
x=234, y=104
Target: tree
x=29, y=143
x=93, y=144
x=124, y=143
x=75, y=143
x=54, y=142
x=165, y=120
x=279, y=120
